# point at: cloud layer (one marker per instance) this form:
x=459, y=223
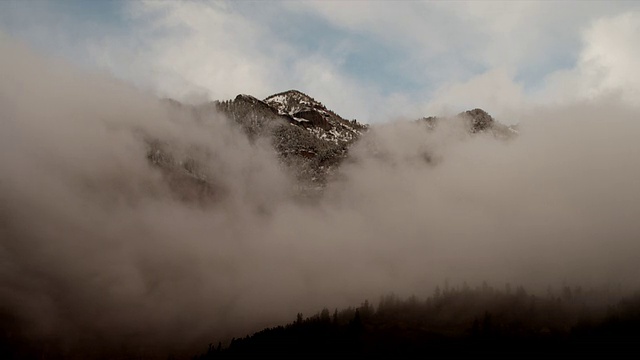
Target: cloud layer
x=98, y=256
x=369, y=61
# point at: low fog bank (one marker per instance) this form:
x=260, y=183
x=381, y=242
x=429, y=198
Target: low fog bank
x=98, y=254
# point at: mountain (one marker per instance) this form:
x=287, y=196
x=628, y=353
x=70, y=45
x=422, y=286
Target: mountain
x=476, y=121
x=315, y=117
x=310, y=139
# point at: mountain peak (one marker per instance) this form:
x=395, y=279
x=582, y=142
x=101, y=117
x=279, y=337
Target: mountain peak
x=291, y=102
x=247, y=98
x=311, y=114
x=480, y=119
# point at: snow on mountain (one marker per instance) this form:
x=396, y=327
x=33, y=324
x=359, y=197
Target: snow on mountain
x=305, y=111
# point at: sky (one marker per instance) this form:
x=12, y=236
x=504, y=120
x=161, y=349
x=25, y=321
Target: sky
x=375, y=61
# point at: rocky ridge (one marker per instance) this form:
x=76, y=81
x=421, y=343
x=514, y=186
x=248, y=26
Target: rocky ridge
x=476, y=121
x=310, y=140
x=315, y=117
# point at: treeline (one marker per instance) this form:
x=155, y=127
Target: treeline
x=458, y=322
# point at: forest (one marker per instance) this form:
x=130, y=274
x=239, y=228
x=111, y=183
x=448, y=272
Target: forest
x=458, y=322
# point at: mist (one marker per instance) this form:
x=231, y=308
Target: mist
x=99, y=255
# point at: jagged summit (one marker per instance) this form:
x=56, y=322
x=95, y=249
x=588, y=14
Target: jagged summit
x=312, y=115
x=291, y=102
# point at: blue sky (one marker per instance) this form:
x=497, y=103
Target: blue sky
x=371, y=60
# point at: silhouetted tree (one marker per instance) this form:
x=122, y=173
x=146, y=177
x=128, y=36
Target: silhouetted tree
x=324, y=315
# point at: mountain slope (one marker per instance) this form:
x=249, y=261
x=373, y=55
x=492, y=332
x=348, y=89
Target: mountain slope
x=315, y=117
x=310, y=140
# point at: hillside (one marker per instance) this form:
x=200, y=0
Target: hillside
x=310, y=140
x=461, y=322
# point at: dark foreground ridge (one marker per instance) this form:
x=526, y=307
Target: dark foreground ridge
x=458, y=323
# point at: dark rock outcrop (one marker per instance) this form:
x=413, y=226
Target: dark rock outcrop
x=479, y=120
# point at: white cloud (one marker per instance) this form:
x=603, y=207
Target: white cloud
x=483, y=33
x=607, y=65
x=203, y=51
x=494, y=55
x=187, y=48
x=610, y=57
x=500, y=56
x=493, y=90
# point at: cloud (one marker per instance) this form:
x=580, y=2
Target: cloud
x=486, y=34
x=199, y=49
x=605, y=65
x=100, y=256
x=404, y=60
x=495, y=90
